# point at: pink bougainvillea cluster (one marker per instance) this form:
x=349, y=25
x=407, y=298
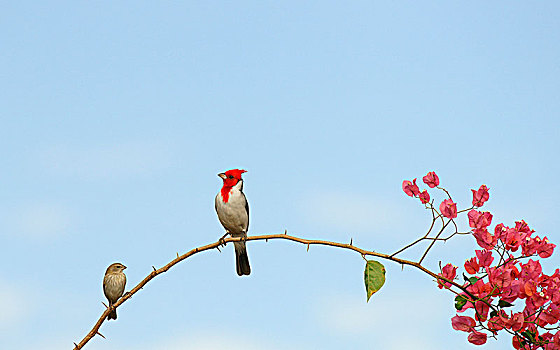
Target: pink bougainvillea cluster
x=504, y=289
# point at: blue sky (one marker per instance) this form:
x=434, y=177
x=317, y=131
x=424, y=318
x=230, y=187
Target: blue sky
x=116, y=118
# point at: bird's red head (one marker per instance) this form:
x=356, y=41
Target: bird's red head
x=231, y=177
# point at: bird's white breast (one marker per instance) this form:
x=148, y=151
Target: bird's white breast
x=233, y=214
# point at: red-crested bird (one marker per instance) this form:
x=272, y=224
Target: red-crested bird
x=233, y=212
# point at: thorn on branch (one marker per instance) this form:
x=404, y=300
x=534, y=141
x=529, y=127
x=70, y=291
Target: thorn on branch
x=285, y=232
x=266, y=240
x=218, y=249
x=307, y=246
x=177, y=255
x=153, y=267
x=102, y=336
x=350, y=241
x=76, y=345
x=105, y=305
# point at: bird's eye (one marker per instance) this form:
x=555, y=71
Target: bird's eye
x=230, y=176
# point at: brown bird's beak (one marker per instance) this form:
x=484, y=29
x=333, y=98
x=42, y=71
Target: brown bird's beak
x=124, y=267
x=222, y=175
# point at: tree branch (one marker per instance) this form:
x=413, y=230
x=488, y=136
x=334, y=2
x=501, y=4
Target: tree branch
x=216, y=245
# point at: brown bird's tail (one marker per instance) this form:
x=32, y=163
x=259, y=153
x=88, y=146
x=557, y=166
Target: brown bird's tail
x=241, y=259
x=112, y=315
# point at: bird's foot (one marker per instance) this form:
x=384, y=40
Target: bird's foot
x=221, y=241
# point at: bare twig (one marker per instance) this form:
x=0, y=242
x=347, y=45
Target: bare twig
x=433, y=242
x=434, y=219
x=444, y=190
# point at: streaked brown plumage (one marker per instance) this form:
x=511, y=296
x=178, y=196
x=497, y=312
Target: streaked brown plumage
x=113, y=285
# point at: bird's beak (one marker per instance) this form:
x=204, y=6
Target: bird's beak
x=124, y=267
x=222, y=175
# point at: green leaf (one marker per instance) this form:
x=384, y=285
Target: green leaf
x=493, y=313
x=374, y=277
x=503, y=303
x=471, y=280
x=460, y=301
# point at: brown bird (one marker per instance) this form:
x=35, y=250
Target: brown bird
x=113, y=285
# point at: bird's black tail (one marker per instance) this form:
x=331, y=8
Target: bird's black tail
x=242, y=259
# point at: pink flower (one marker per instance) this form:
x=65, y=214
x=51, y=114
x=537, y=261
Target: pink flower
x=485, y=239
x=449, y=272
x=471, y=266
x=495, y=323
x=448, y=209
x=512, y=239
x=531, y=270
x=462, y=323
x=516, y=322
x=512, y=292
x=480, y=196
x=500, y=278
x=481, y=310
x=551, y=314
x=522, y=227
x=545, y=249
x=480, y=289
x=431, y=179
x=534, y=302
x=500, y=231
x=529, y=245
x=529, y=288
x=479, y=219
x=477, y=338
x=424, y=197
x=484, y=257
x=548, y=337
x=410, y=188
